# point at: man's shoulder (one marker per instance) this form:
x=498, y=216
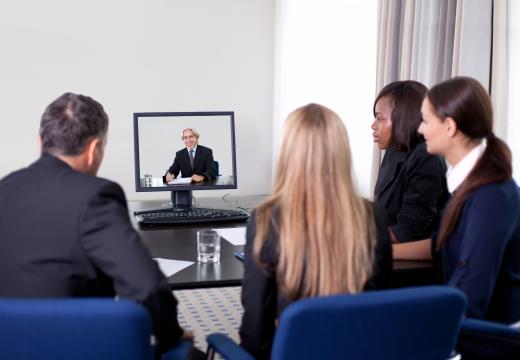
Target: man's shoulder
x=182, y=152
x=98, y=184
x=203, y=149
x=78, y=184
x=28, y=172
x=13, y=175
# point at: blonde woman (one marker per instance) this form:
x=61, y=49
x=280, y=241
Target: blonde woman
x=314, y=235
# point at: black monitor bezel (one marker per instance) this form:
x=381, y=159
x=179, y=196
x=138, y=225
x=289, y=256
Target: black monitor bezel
x=193, y=187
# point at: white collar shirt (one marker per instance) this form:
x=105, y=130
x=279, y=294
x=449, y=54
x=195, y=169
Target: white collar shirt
x=458, y=173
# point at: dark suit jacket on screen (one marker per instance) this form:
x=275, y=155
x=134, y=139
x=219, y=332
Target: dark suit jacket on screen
x=411, y=189
x=203, y=163
x=263, y=302
x=67, y=234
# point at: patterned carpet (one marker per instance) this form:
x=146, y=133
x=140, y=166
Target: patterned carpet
x=205, y=311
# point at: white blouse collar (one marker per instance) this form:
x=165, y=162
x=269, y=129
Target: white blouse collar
x=458, y=173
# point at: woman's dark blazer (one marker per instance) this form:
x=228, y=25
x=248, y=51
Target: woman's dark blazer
x=481, y=256
x=411, y=190
x=263, y=302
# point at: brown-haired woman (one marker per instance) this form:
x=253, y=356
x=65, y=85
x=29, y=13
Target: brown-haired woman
x=314, y=235
x=479, y=238
x=411, y=185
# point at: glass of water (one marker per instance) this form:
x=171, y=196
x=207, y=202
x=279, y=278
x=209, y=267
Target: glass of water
x=208, y=246
x=147, y=180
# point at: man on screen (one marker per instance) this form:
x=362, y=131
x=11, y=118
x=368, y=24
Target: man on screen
x=195, y=161
x=66, y=233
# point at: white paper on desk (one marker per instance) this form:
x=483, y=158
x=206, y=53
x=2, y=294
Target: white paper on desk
x=180, y=181
x=170, y=267
x=236, y=236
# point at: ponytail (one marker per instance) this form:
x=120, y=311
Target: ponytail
x=494, y=166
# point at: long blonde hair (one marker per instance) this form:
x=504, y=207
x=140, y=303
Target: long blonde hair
x=327, y=235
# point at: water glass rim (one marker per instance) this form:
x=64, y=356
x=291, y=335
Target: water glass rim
x=207, y=232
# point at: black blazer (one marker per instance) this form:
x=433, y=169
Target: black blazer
x=262, y=301
x=203, y=163
x=411, y=190
x=67, y=234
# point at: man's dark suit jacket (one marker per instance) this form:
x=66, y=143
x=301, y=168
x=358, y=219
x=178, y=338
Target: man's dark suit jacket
x=262, y=300
x=67, y=234
x=203, y=163
x=411, y=189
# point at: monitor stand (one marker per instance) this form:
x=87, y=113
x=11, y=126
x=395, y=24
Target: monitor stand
x=181, y=199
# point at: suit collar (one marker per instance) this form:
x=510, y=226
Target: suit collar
x=390, y=166
x=52, y=161
x=194, y=150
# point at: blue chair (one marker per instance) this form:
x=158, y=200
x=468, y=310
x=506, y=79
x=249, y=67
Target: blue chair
x=86, y=328
x=480, y=339
x=410, y=323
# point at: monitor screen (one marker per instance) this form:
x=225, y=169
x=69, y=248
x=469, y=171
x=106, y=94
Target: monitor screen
x=164, y=160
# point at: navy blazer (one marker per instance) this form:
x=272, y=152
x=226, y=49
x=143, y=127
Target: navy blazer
x=67, y=234
x=411, y=190
x=482, y=255
x=203, y=163
x=263, y=302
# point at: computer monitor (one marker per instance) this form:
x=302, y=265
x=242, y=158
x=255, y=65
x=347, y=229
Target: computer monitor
x=160, y=148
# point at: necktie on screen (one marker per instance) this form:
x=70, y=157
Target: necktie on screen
x=191, y=158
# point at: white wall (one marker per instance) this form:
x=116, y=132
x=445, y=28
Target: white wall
x=326, y=53
x=136, y=56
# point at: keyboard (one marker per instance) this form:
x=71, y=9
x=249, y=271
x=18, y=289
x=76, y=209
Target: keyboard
x=189, y=216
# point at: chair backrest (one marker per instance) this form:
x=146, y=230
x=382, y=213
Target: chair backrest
x=87, y=328
x=413, y=323
x=480, y=339
x=217, y=168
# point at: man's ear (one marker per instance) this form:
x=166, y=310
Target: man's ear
x=40, y=141
x=451, y=127
x=91, y=148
